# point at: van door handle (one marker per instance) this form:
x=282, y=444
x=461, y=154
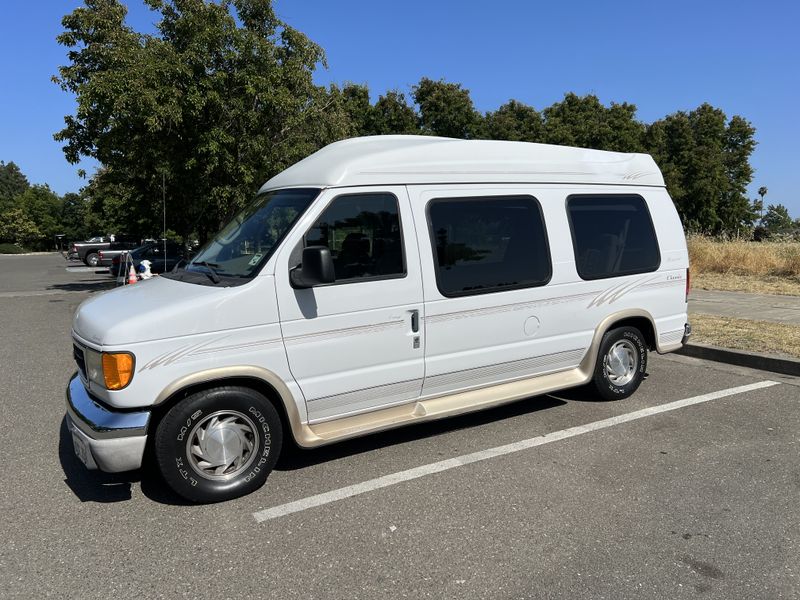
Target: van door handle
x=415, y=321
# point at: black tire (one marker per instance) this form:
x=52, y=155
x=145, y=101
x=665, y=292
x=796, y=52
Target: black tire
x=253, y=422
x=609, y=386
x=92, y=260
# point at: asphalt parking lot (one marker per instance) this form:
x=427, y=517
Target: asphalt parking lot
x=702, y=499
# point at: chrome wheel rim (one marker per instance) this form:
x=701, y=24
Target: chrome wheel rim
x=222, y=445
x=621, y=362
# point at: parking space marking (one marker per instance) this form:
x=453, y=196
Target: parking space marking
x=466, y=459
x=35, y=293
x=86, y=269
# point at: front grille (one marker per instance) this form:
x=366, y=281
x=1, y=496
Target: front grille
x=77, y=353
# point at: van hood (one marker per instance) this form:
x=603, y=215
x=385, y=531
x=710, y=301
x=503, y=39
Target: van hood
x=161, y=308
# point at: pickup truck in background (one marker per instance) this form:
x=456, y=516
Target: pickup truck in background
x=89, y=251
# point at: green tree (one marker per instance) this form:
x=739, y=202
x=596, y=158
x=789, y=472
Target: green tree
x=516, y=122
x=762, y=191
x=357, y=107
x=17, y=227
x=583, y=121
x=213, y=103
x=43, y=207
x=777, y=218
x=12, y=184
x=392, y=115
x=705, y=162
x=735, y=210
x=446, y=109
x=758, y=207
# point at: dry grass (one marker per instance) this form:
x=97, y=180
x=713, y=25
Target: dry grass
x=741, y=334
x=767, y=284
x=737, y=265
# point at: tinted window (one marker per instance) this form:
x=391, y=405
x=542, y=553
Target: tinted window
x=613, y=235
x=363, y=233
x=488, y=244
x=157, y=251
x=247, y=242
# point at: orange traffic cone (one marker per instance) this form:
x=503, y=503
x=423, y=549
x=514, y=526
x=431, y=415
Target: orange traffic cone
x=132, y=276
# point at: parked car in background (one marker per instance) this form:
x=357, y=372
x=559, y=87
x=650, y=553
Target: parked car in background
x=72, y=251
x=152, y=251
x=89, y=251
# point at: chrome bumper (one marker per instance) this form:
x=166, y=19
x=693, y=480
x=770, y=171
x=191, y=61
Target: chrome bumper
x=110, y=440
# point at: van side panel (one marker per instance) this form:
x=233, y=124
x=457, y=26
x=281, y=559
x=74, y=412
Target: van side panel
x=482, y=339
x=488, y=338
x=669, y=307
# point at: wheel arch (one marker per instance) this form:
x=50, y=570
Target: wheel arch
x=639, y=318
x=257, y=378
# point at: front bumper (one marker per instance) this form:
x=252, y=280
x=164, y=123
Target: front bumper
x=104, y=438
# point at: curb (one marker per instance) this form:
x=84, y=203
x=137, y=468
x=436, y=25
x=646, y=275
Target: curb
x=742, y=358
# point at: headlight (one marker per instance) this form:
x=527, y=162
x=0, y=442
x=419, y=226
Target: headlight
x=117, y=369
x=94, y=367
x=112, y=370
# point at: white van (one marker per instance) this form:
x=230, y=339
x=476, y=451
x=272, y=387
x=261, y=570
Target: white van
x=381, y=282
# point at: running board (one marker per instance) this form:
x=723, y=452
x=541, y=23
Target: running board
x=309, y=436
x=440, y=407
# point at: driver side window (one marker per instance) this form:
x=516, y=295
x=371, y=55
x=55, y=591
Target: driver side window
x=364, y=236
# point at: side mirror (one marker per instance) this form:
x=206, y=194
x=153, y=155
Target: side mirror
x=316, y=269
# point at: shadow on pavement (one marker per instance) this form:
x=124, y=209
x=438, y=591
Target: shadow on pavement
x=96, y=486
x=584, y=393
x=293, y=457
x=91, y=486
x=83, y=286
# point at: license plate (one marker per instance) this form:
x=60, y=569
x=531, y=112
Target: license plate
x=81, y=451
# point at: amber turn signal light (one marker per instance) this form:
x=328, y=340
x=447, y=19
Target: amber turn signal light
x=117, y=369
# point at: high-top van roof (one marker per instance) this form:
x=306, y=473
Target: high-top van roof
x=402, y=159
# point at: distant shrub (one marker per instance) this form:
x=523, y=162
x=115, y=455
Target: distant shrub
x=10, y=249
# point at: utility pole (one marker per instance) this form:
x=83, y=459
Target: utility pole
x=164, y=212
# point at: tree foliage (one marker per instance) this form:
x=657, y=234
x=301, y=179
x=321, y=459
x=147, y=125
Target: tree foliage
x=446, y=109
x=777, y=218
x=17, y=227
x=221, y=97
x=214, y=103
x=516, y=122
x=705, y=161
x=583, y=121
x=12, y=184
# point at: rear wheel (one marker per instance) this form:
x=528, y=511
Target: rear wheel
x=218, y=444
x=621, y=363
x=92, y=259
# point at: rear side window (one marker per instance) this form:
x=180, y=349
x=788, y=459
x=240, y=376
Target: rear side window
x=612, y=236
x=488, y=244
x=364, y=236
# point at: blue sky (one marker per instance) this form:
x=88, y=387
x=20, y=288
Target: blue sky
x=743, y=57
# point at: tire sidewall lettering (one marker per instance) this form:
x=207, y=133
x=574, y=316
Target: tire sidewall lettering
x=642, y=367
x=189, y=422
x=174, y=432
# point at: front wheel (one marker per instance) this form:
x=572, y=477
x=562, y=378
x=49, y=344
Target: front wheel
x=621, y=363
x=218, y=444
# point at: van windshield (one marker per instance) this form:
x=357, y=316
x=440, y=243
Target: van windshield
x=246, y=243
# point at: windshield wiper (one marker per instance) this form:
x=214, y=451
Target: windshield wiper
x=212, y=274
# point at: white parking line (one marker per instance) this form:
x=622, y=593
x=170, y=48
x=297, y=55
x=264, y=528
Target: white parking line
x=459, y=461
x=86, y=269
